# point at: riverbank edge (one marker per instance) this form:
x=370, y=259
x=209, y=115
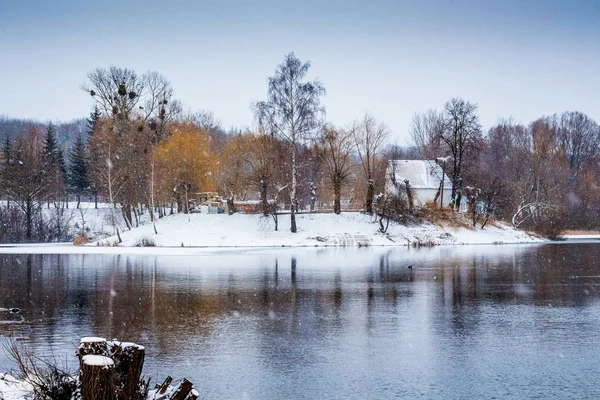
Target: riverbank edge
x=197, y=233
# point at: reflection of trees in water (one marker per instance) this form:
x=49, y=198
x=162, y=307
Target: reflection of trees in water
x=149, y=298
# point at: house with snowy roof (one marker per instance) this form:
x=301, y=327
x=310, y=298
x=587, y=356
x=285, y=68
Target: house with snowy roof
x=424, y=177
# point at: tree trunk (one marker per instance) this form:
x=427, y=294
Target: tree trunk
x=179, y=205
x=337, y=195
x=485, y=221
x=137, y=220
x=294, y=201
x=29, y=218
x=126, y=211
x=275, y=218
x=458, y=194
x=187, y=202
x=437, y=196
x=263, y=198
x=473, y=207
x=370, y=195
x=151, y=205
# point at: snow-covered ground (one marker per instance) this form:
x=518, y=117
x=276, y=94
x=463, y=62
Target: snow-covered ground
x=253, y=230
x=580, y=237
x=346, y=229
x=14, y=389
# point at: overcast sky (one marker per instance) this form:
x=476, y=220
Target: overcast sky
x=513, y=58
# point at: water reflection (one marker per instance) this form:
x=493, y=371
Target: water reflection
x=462, y=322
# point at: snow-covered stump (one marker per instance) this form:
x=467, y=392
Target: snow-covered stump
x=97, y=378
x=129, y=361
x=96, y=346
x=92, y=345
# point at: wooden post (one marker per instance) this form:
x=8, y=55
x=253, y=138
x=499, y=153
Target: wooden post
x=165, y=385
x=184, y=388
x=97, y=378
x=193, y=395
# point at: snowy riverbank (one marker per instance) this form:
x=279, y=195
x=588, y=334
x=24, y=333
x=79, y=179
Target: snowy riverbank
x=346, y=229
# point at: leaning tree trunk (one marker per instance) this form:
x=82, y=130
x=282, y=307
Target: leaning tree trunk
x=126, y=211
x=437, y=195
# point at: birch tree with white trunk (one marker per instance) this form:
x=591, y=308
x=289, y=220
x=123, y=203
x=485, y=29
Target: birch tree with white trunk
x=293, y=113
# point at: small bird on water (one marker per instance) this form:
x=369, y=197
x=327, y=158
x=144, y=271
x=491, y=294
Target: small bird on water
x=13, y=310
x=410, y=266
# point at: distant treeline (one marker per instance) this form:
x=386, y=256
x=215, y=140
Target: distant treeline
x=142, y=153
x=66, y=132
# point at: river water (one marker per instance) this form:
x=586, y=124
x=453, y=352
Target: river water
x=463, y=322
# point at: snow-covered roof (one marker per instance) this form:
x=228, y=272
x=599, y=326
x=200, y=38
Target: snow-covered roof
x=421, y=174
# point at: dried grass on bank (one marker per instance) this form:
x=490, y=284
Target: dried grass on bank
x=444, y=217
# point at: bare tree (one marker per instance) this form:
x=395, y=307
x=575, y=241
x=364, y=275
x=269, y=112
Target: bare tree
x=138, y=110
x=369, y=139
x=426, y=131
x=579, y=137
x=292, y=112
x=461, y=134
x=205, y=120
x=233, y=170
x=160, y=106
x=107, y=173
x=117, y=91
x=336, y=146
x=261, y=159
x=25, y=179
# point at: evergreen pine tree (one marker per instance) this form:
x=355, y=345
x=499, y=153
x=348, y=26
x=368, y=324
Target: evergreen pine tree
x=92, y=121
x=79, y=168
x=54, y=165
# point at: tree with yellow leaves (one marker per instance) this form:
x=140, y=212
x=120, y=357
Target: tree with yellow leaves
x=185, y=163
